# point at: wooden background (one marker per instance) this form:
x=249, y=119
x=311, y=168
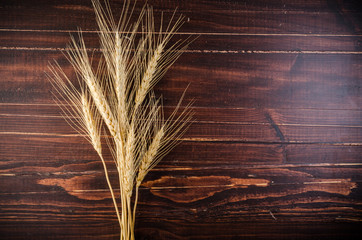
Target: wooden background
x=274, y=153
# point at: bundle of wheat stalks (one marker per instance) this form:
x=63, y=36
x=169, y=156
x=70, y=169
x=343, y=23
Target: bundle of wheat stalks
x=116, y=99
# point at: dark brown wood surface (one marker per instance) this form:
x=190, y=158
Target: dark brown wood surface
x=274, y=153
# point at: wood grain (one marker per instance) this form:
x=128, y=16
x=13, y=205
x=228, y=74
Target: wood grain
x=240, y=80
x=208, y=43
x=325, y=17
x=264, y=128
x=274, y=153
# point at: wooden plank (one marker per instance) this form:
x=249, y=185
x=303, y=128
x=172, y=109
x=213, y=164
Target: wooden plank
x=163, y=229
x=328, y=200
x=206, y=16
x=286, y=116
x=56, y=41
x=81, y=183
x=161, y=5
x=53, y=153
x=264, y=130
x=281, y=195
x=240, y=80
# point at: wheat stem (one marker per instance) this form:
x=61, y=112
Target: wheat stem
x=119, y=95
x=111, y=189
x=135, y=204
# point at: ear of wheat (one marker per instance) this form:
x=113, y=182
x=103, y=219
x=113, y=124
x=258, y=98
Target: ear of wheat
x=117, y=96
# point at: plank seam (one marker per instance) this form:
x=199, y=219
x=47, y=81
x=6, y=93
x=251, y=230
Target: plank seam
x=205, y=51
x=206, y=140
x=196, y=33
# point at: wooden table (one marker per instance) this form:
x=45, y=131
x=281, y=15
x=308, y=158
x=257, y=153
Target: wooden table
x=274, y=153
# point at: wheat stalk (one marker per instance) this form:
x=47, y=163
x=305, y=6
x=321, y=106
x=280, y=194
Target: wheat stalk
x=118, y=95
